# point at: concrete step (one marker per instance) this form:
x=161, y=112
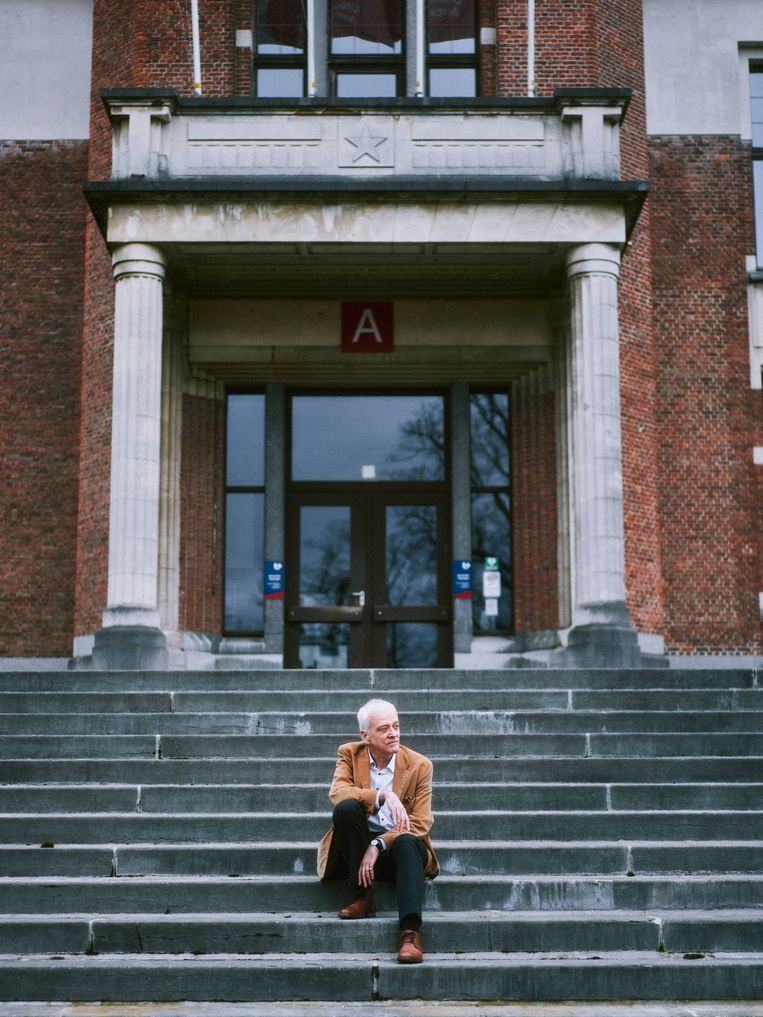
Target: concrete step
x=397, y=1008
x=408, y=701
x=470, y=858
x=183, y=894
x=238, y=798
x=377, y=682
x=447, y=768
x=163, y=828
x=642, y=975
x=472, y=931
x=340, y=727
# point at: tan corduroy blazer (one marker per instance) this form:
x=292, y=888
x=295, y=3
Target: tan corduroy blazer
x=412, y=785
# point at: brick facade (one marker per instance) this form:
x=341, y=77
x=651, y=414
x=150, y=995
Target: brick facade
x=42, y=233
x=534, y=506
x=692, y=497
x=708, y=418
x=201, y=515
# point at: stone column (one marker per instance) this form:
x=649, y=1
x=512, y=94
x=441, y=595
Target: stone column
x=131, y=637
x=601, y=634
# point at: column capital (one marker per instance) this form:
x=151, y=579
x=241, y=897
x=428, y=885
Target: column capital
x=587, y=259
x=138, y=259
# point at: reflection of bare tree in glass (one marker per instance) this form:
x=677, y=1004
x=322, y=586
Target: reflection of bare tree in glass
x=421, y=444
x=411, y=549
x=325, y=561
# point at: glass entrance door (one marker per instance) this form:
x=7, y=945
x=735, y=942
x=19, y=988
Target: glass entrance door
x=368, y=580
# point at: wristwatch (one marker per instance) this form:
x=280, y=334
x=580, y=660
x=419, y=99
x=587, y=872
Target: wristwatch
x=379, y=844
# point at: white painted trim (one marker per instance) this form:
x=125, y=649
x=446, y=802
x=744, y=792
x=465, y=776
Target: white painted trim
x=757, y=455
x=311, y=83
x=196, y=46
x=747, y=51
x=421, y=88
x=531, y=47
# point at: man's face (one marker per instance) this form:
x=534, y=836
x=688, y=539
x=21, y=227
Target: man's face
x=383, y=734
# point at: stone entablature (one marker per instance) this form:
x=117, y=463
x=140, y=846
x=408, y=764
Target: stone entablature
x=573, y=135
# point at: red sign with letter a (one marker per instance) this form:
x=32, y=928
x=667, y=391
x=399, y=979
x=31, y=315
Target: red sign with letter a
x=368, y=326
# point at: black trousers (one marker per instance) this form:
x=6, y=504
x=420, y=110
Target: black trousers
x=403, y=863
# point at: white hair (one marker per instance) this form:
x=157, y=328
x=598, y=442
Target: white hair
x=369, y=709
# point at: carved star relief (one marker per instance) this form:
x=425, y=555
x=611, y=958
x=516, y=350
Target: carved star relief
x=365, y=143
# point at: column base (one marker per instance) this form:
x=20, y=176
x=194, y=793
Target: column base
x=604, y=637
x=130, y=648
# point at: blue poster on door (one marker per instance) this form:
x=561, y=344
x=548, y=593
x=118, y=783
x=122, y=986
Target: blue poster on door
x=274, y=577
x=462, y=579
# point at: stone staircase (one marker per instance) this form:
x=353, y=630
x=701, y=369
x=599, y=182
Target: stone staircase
x=600, y=835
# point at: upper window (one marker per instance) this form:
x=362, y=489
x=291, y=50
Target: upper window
x=280, y=48
x=452, y=47
x=365, y=48
x=756, y=105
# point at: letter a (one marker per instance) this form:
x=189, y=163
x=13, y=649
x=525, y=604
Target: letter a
x=367, y=326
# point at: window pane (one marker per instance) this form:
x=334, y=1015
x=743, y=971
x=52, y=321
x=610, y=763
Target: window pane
x=324, y=555
x=452, y=82
x=489, y=420
x=324, y=645
x=491, y=537
x=451, y=26
x=368, y=438
x=366, y=27
x=244, y=562
x=757, y=169
x=280, y=26
x=411, y=554
x=366, y=86
x=756, y=84
x=246, y=441
x=280, y=82
x=412, y=644
x=757, y=122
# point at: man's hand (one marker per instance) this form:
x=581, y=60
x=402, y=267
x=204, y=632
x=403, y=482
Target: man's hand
x=396, y=808
x=367, y=863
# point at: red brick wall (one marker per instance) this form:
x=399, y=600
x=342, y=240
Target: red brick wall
x=42, y=231
x=146, y=43
x=708, y=417
x=534, y=508
x=599, y=43
x=619, y=49
x=201, y=514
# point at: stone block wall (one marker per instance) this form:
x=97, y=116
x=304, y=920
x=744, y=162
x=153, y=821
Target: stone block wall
x=42, y=236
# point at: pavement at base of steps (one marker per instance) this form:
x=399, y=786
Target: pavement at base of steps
x=383, y=1009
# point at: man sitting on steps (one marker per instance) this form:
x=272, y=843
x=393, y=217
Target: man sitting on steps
x=382, y=798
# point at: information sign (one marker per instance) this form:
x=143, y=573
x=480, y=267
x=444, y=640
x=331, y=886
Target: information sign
x=462, y=579
x=274, y=580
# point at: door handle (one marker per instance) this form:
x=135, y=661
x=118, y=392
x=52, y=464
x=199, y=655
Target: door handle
x=361, y=595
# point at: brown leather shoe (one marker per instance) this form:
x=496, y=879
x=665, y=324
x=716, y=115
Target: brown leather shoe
x=361, y=906
x=410, y=948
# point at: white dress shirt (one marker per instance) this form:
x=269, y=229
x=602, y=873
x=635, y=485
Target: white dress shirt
x=381, y=780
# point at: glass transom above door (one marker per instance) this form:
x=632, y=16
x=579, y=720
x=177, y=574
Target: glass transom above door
x=368, y=437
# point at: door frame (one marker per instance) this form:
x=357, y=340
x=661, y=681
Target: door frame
x=368, y=623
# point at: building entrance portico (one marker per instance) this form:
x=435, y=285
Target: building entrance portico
x=489, y=283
